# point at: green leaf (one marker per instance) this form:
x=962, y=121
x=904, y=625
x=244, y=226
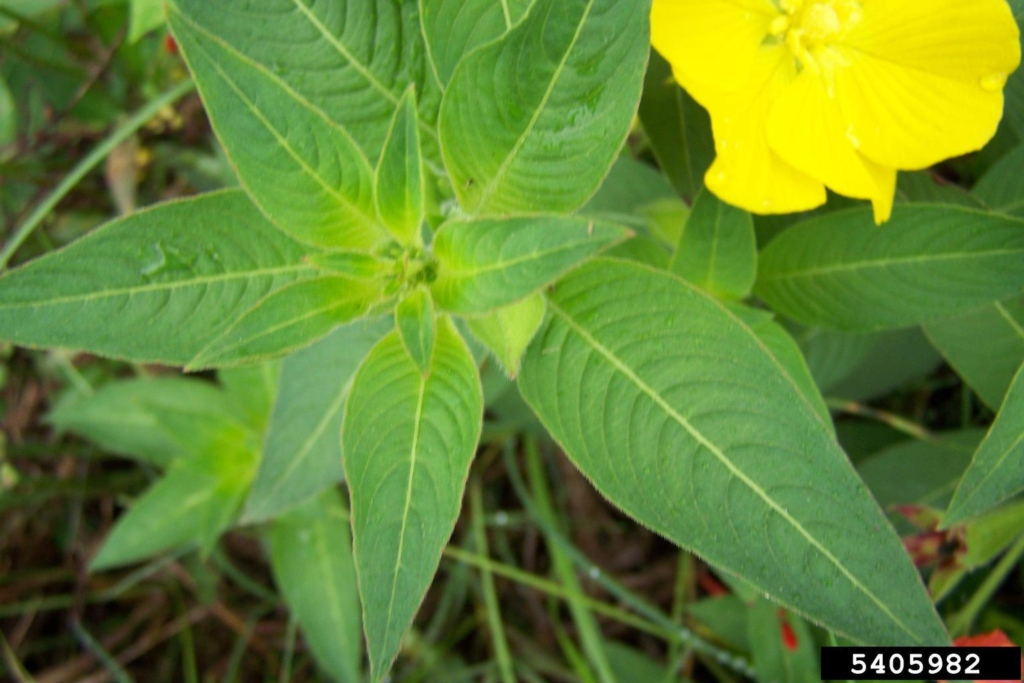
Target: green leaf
x=717, y=250
x=919, y=472
x=192, y=504
x=507, y=331
x=678, y=128
x=996, y=472
x=922, y=187
x=144, y=16
x=359, y=265
x=888, y=360
x=352, y=59
x=8, y=115
x=781, y=345
x=533, y=121
x=414, y=318
x=841, y=271
x=984, y=346
x=157, y=286
x=252, y=389
x=408, y=440
x=399, y=184
x=487, y=264
x=452, y=28
x=637, y=195
x=1002, y=186
x=311, y=555
x=288, y=319
x=678, y=414
x=119, y=417
x=301, y=168
x=783, y=647
x=302, y=449
x=833, y=356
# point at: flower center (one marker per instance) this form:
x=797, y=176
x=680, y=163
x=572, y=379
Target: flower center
x=811, y=27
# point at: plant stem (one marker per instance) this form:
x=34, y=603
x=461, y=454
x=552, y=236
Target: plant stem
x=494, y=622
x=898, y=423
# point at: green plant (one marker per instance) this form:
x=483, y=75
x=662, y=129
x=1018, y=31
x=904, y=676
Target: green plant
x=426, y=182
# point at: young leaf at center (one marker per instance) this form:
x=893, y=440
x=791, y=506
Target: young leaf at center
x=408, y=439
x=487, y=264
x=414, y=318
x=399, y=185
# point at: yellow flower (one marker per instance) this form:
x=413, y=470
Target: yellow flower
x=808, y=94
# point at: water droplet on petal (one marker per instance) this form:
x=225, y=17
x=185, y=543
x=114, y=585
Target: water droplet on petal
x=767, y=204
x=852, y=137
x=993, y=82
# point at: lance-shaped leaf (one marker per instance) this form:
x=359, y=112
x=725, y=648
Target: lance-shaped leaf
x=290, y=318
x=1002, y=186
x=985, y=346
x=302, y=449
x=678, y=414
x=198, y=497
x=507, y=331
x=302, y=169
x=452, y=28
x=414, y=318
x=251, y=390
x=678, y=128
x=359, y=265
x=997, y=471
x=486, y=264
x=157, y=286
x=408, y=440
x=352, y=59
x=120, y=417
x=311, y=553
x=533, y=121
x=840, y=271
x=717, y=250
x=781, y=345
x=399, y=183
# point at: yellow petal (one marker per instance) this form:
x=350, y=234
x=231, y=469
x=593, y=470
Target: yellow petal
x=746, y=172
x=925, y=77
x=910, y=119
x=711, y=44
x=965, y=40
x=806, y=128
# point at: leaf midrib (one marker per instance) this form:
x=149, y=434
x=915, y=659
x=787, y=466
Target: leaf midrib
x=724, y=460
x=830, y=269
x=308, y=314
x=300, y=456
x=1010, y=320
x=453, y=272
x=160, y=286
x=413, y=451
x=363, y=69
x=492, y=186
x=368, y=216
